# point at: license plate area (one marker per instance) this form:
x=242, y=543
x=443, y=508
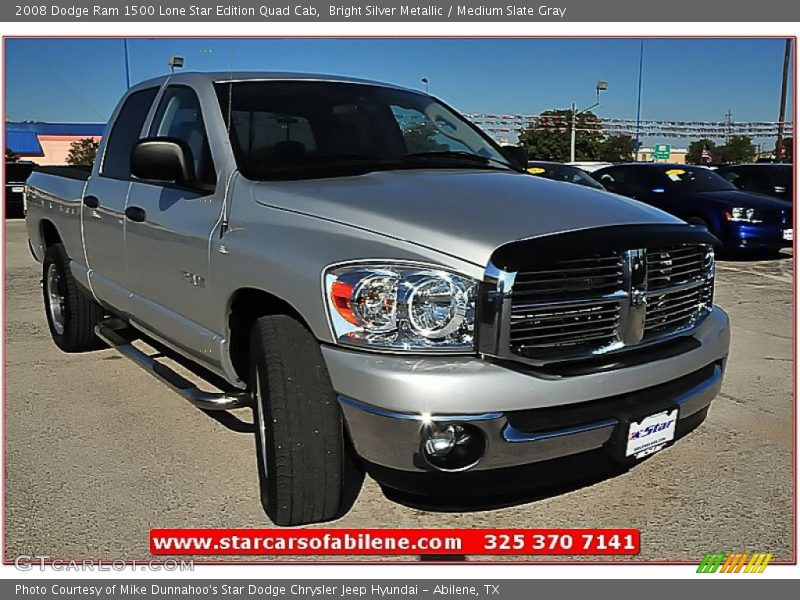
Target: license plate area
x=631, y=438
x=651, y=434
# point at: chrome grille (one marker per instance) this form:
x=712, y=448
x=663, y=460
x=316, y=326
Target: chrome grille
x=565, y=326
x=562, y=304
x=673, y=265
x=679, y=287
x=582, y=277
x=570, y=309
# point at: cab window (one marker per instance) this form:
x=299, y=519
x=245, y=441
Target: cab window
x=179, y=116
x=125, y=132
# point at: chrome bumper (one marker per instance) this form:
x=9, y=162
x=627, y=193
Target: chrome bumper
x=394, y=440
x=397, y=400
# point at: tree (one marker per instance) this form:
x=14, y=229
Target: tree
x=739, y=149
x=11, y=156
x=82, y=153
x=788, y=144
x=695, y=154
x=548, y=138
x=618, y=148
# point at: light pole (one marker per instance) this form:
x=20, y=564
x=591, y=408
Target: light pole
x=425, y=81
x=639, y=103
x=175, y=62
x=601, y=86
x=127, y=64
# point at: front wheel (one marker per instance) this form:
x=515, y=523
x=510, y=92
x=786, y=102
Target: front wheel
x=71, y=311
x=307, y=470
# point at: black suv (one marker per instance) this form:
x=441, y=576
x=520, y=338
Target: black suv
x=764, y=178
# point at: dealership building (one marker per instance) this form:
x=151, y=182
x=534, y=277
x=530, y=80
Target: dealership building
x=48, y=143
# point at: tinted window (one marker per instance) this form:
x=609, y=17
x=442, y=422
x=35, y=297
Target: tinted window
x=782, y=176
x=305, y=129
x=694, y=179
x=613, y=177
x=422, y=134
x=179, y=116
x=735, y=177
x=562, y=173
x=127, y=127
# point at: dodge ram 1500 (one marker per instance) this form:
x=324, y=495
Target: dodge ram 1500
x=379, y=280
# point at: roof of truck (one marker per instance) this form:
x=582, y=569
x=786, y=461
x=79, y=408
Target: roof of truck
x=223, y=76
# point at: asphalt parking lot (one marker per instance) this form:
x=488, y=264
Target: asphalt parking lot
x=97, y=452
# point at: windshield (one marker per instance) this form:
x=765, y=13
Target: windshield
x=307, y=129
x=695, y=179
x=563, y=173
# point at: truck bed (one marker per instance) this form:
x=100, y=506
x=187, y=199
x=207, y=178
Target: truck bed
x=71, y=172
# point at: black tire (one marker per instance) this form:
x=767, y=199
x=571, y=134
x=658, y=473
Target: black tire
x=72, y=322
x=308, y=472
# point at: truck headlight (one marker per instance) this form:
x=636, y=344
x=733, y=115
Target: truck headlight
x=401, y=307
x=747, y=215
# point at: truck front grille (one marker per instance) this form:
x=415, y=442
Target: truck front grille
x=674, y=297
x=580, y=307
x=568, y=303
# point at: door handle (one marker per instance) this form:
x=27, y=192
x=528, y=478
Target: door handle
x=134, y=213
x=91, y=201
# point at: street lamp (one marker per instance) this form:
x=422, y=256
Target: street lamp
x=601, y=86
x=425, y=81
x=175, y=62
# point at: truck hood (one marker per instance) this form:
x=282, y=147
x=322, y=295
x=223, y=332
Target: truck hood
x=463, y=213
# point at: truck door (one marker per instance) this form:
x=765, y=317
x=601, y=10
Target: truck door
x=168, y=230
x=102, y=217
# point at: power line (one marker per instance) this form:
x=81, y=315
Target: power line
x=503, y=125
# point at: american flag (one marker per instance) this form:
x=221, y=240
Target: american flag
x=705, y=155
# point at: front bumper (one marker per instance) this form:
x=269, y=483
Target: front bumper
x=756, y=237
x=390, y=402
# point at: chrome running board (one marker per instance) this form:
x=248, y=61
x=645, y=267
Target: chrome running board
x=112, y=331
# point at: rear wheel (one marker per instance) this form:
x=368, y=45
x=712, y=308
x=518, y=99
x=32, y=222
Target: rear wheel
x=307, y=470
x=71, y=311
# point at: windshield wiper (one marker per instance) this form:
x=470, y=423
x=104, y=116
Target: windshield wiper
x=459, y=155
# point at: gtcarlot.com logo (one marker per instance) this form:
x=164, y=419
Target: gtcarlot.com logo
x=741, y=562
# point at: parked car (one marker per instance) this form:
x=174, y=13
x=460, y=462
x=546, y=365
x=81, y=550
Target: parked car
x=771, y=179
x=16, y=175
x=417, y=306
x=561, y=172
x=741, y=220
x=590, y=166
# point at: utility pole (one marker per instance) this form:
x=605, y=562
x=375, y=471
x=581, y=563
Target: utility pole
x=728, y=123
x=572, y=127
x=639, y=103
x=782, y=110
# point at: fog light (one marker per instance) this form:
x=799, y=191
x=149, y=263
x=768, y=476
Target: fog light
x=441, y=443
x=453, y=446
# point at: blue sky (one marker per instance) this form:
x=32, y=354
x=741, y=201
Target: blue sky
x=82, y=79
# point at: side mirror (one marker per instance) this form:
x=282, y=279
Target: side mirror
x=163, y=159
x=516, y=155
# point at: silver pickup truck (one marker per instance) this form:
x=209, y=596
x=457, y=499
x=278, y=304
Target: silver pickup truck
x=384, y=284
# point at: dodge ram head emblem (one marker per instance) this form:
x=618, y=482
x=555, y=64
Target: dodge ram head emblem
x=638, y=297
